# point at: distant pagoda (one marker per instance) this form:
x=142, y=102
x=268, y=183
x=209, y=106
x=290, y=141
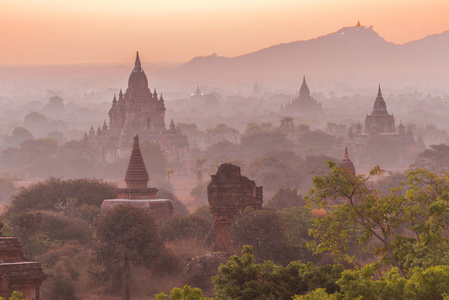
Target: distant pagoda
x=302, y=104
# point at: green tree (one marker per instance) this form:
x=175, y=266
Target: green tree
x=129, y=236
x=241, y=278
x=15, y=296
x=410, y=230
x=186, y=293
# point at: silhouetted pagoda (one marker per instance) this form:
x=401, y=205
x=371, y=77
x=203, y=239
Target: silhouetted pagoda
x=137, y=111
x=379, y=121
x=137, y=193
x=304, y=103
x=381, y=133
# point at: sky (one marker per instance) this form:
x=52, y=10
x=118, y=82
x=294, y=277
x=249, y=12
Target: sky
x=111, y=31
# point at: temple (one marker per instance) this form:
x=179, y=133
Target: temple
x=137, y=111
x=17, y=274
x=304, y=103
x=229, y=192
x=380, y=142
x=137, y=193
x=379, y=121
x=347, y=164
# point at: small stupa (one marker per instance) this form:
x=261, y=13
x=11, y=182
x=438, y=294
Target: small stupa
x=137, y=193
x=346, y=163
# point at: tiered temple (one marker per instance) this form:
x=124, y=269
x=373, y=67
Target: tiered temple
x=138, y=110
x=137, y=193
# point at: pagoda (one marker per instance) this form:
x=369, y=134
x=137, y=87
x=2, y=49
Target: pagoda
x=137, y=193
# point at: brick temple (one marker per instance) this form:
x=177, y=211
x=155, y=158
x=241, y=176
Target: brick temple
x=17, y=274
x=137, y=193
x=137, y=111
x=229, y=192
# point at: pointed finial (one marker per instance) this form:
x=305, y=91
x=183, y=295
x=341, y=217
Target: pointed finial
x=161, y=98
x=114, y=100
x=379, y=92
x=358, y=23
x=304, y=79
x=346, y=153
x=120, y=94
x=137, y=63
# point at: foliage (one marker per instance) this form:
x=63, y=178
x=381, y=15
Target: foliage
x=154, y=158
x=241, y=278
x=45, y=195
x=430, y=283
x=19, y=135
x=7, y=189
x=411, y=230
x=186, y=293
x=179, y=208
x=262, y=229
x=179, y=228
x=436, y=158
x=127, y=235
x=15, y=296
x=286, y=197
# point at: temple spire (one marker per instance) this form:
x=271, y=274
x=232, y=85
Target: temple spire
x=304, y=90
x=379, y=92
x=136, y=176
x=137, y=64
x=346, y=163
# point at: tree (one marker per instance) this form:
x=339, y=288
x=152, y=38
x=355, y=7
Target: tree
x=410, y=230
x=15, y=296
x=154, y=159
x=435, y=159
x=19, y=135
x=261, y=229
x=186, y=293
x=286, y=197
x=45, y=195
x=241, y=278
x=127, y=235
x=365, y=283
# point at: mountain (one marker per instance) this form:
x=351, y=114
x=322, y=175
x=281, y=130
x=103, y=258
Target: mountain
x=352, y=55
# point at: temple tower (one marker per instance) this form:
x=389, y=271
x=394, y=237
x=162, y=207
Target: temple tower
x=137, y=193
x=379, y=121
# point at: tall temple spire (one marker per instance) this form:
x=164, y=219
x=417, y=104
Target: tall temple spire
x=136, y=176
x=137, y=64
x=304, y=90
x=379, y=104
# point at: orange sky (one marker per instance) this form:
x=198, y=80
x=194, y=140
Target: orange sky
x=108, y=31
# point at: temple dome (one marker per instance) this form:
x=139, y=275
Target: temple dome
x=137, y=79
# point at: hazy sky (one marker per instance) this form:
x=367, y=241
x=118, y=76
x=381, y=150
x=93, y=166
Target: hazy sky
x=106, y=31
